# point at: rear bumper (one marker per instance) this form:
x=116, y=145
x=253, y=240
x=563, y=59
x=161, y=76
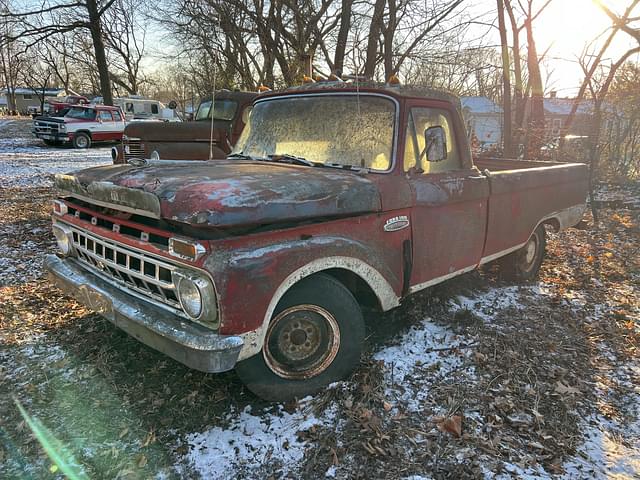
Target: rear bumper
x=190, y=344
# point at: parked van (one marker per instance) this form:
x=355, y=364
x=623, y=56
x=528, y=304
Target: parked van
x=140, y=108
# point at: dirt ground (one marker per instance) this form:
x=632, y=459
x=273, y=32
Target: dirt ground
x=474, y=378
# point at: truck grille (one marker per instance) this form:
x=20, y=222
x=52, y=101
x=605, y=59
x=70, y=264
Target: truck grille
x=45, y=127
x=139, y=272
x=133, y=148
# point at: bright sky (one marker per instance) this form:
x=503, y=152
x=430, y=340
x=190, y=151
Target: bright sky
x=566, y=26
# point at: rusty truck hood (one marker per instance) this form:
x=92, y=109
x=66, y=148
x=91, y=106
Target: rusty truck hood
x=225, y=193
x=174, y=131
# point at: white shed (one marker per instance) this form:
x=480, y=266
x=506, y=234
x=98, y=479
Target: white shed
x=483, y=119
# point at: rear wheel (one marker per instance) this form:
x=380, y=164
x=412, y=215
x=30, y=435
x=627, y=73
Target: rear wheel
x=523, y=265
x=314, y=338
x=81, y=140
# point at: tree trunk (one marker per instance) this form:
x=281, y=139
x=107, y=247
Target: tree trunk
x=518, y=89
x=507, y=136
x=536, y=124
x=388, y=40
x=98, y=46
x=343, y=35
x=372, y=42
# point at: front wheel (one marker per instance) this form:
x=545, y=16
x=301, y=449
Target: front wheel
x=314, y=338
x=81, y=140
x=523, y=264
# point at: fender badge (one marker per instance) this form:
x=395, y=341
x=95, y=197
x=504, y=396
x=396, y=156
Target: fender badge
x=396, y=223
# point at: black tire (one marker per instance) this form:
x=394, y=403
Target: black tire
x=273, y=374
x=523, y=265
x=81, y=140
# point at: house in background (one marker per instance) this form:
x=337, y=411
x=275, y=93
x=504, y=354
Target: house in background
x=556, y=112
x=28, y=97
x=483, y=118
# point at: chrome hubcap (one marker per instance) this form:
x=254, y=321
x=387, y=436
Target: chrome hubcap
x=301, y=342
x=530, y=250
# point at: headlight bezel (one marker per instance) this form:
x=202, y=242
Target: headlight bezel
x=208, y=312
x=64, y=238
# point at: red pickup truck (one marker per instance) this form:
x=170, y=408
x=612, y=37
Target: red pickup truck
x=81, y=126
x=334, y=198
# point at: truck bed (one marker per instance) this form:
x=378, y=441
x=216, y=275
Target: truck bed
x=525, y=193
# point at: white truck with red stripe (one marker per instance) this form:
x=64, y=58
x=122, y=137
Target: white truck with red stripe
x=81, y=126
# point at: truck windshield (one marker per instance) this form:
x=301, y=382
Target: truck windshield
x=344, y=130
x=224, y=109
x=81, y=113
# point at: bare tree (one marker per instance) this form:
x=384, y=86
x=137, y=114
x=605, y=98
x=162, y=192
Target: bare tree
x=10, y=58
x=507, y=136
x=591, y=62
x=59, y=17
x=37, y=75
x=125, y=37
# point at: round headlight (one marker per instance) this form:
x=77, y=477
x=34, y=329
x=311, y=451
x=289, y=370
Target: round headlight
x=190, y=297
x=63, y=237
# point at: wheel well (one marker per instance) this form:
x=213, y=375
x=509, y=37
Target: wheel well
x=358, y=287
x=554, y=223
x=86, y=132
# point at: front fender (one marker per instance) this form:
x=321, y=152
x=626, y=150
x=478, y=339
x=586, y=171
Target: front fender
x=251, y=277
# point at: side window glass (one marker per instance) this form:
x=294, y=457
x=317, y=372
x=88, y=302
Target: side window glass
x=154, y=108
x=105, y=116
x=421, y=119
x=129, y=107
x=116, y=116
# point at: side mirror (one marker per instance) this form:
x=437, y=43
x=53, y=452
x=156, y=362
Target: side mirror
x=435, y=141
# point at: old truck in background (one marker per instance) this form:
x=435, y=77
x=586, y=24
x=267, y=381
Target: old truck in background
x=334, y=197
x=190, y=140
x=58, y=107
x=80, y=125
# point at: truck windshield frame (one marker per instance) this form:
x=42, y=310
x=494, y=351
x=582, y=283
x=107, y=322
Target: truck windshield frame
x=366, y=122
x=224, y=109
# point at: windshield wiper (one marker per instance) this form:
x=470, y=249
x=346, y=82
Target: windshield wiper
x=353, y=168
x=293, y=159
x=240, y=156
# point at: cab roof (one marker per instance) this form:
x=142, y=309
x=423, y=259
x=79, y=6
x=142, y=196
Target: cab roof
x=399, y=91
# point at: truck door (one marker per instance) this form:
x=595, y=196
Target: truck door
x=450, y=196
x=107, y=129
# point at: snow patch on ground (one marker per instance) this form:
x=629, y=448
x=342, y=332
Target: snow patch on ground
x=251, y=440
x=487, y=305
x=422, y=356
x=35, y=166
x=608, y=452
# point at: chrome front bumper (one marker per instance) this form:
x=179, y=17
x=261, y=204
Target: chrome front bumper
x=191, y=344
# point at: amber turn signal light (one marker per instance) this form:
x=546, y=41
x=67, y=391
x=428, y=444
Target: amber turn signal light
x=185, y=249
x=60, y=208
